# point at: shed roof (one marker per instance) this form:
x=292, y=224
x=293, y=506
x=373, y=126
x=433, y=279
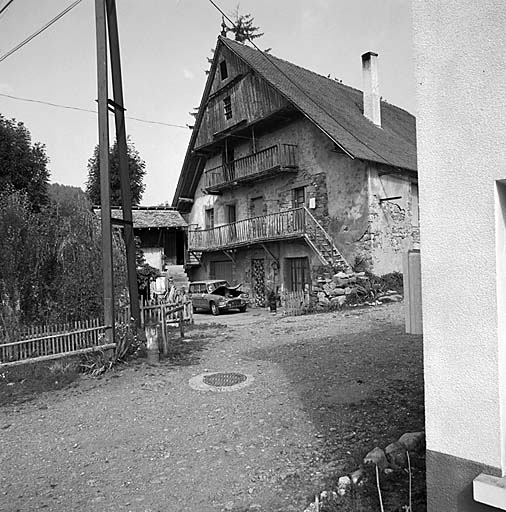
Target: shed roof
x=151, y=217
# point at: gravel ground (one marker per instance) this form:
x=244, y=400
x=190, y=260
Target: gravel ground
x=326, y=387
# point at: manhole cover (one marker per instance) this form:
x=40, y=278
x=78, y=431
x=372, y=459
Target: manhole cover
x=220, y=381
x=224, y=379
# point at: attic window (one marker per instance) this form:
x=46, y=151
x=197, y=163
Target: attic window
x=223, y=69
x=227, y=107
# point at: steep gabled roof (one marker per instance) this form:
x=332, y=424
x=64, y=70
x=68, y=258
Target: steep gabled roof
x=337, y=109
x=333, y=107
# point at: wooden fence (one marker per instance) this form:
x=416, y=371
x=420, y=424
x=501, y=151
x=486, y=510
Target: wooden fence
x=52, y=342
x=42, y=343
x=294, y=302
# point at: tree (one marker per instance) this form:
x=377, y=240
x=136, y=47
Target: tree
x=243, y=28
x=145, y=272
x=136, y=170
x=23, y=165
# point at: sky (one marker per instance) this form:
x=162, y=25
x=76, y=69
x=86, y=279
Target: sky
x=164, y=49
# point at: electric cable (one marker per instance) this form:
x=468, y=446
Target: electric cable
x=42, y=29
x=79, y=109
x=268, y=57
x=5, y=6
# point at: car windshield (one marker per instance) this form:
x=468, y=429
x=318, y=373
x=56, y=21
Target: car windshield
x=218, y=284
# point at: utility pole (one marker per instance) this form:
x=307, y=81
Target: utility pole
x=126, y=193
x=103, y=140
x=107, y=30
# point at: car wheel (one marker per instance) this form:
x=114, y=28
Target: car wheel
x=242, y=309
x=214, y=308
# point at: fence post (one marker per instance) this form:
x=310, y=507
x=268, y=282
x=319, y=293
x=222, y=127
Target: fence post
x=412, y=292
x=181, y=322
x=163, y=320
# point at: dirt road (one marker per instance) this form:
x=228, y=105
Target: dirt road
x=325, y=388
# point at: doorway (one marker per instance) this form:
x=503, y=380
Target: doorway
x=258, y=281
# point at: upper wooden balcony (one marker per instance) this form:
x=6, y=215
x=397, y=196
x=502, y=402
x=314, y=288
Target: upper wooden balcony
x=280, y=157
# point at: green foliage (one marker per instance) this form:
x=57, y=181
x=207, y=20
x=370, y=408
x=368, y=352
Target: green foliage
x=136, y=170
x=243, y=29
x=51, y=262
x=145, y=272
x=370, y=289
x=23, y=165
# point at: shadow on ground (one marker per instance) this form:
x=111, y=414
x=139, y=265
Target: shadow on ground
x=360, y=391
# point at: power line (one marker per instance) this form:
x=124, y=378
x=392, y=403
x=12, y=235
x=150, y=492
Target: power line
x=79, y=109
x=42, y=29
x=268, y=57
x=5, y=6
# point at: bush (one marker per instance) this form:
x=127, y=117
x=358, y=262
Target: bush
x=368, y=290
x=51, y=263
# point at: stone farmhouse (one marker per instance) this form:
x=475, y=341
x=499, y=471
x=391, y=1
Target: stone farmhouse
x=289, y=174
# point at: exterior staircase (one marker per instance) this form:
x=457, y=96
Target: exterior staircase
x=177, y=273
x=322, y=243
x=193, y=259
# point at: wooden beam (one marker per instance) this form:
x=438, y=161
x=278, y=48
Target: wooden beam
x=266, y=249
x=103, y=142
x=229, y=256
x=124, y=175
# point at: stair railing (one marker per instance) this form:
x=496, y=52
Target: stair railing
x=315, y=232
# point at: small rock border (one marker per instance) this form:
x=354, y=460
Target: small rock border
x=387, y=460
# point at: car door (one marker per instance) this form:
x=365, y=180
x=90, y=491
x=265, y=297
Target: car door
x=195, y=290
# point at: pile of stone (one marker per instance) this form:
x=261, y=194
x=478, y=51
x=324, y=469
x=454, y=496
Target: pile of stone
x=334, y=290
x=393, y=457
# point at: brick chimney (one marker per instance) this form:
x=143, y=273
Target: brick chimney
x=372, y=108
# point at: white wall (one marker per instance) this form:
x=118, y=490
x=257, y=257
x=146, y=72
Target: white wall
x=460, y=55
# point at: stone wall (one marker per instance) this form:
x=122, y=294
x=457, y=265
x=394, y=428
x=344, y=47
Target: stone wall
x=346, y=195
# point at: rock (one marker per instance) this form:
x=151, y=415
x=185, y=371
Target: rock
x=324, y=301
x=352, y=279
x=343, y=485
x=377, y=457
x=348, y=290
x=357, y=477
x=412, y=440
x=338, y=301
x=396, y=454
x=321, y=295
x=391, y=298
x=328, y=496
x=336, y=292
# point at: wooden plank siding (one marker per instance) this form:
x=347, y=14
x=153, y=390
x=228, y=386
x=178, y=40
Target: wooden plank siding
x=251, y=98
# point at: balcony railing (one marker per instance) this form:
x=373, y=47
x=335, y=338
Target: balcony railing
x=280, y=156
x=274, y=226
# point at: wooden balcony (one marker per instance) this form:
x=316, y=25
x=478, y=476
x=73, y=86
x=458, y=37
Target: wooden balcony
x=275, y=226
x=260, y=164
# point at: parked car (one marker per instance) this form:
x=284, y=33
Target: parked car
x=217, y=295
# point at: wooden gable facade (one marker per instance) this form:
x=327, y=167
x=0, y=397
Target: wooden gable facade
x=238, y=98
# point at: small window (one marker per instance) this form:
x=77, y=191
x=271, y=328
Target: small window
x=223, y=69
x=210, y=218
x=231, y=213
x=298, y=197
x=227, y=107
